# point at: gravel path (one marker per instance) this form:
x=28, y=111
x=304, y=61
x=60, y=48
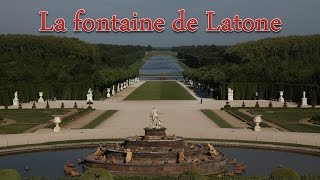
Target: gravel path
x=233, y=121
x=84, y=120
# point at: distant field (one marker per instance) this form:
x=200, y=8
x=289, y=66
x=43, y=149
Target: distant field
x=160, y=90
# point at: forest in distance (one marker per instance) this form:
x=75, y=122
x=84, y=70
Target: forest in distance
x=61, y=67
x=267, y=66
x=66, y=68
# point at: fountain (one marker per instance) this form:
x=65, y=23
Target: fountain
x=156, y=153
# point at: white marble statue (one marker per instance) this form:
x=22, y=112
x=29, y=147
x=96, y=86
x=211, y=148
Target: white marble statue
x=113, y=90
x=155, y=120
x=90, y=91
x=15, y=101
x=304, y=100
x=230, y=94
x=90, y=95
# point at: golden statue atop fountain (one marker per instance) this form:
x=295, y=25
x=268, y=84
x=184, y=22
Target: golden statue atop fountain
x=213, y=152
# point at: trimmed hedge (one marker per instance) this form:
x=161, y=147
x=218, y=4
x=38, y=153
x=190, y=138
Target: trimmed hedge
x=191, y=175
x=284, y=174
x=9, y=174
x=97, y=173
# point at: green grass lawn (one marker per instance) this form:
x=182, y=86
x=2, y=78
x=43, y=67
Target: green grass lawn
x=216, y=119
x=96, y=122
x=26, y=119
x=160, y=90
x=289, y=119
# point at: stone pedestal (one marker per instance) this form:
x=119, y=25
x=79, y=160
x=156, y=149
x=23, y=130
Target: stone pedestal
x=89, y=97
x=257, y=120
x=57, y=121
x=108, y=92
x=304, y=101
x=230, y=94
x=281, y=99
x=41, y=100
x=153, y=133
x=15, y=102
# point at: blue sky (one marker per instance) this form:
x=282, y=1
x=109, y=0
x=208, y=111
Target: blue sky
x=299, y=18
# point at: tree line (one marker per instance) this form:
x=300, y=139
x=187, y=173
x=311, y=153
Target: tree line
x=291, y=64
x=64, y=68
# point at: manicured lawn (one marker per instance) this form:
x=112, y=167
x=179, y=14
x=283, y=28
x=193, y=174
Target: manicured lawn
x=26, y=119
x=215, y=118
x=96, y=122
x=289, y=119
x=160, y=90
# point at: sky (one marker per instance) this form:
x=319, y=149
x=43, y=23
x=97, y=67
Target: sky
x=299, y=18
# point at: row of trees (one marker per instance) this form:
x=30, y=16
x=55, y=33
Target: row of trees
x=61, y=67
x=266, y=66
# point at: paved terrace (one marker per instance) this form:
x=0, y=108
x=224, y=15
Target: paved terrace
x=182, y=118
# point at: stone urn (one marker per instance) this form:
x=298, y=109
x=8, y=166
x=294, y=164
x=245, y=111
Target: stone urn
x=57, y=121
x=281, y=99
x=41, y=100
x=257, y=120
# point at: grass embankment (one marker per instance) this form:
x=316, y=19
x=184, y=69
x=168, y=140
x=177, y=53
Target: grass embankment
x=97, y=121
x=26, y=118
x=140, y=62
x=160, y=90
x=289, y=119
x=216, y=119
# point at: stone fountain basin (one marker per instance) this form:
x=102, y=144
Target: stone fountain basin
x=176, y=142
x=151, y=167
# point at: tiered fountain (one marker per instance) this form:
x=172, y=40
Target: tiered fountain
x=156, y=153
